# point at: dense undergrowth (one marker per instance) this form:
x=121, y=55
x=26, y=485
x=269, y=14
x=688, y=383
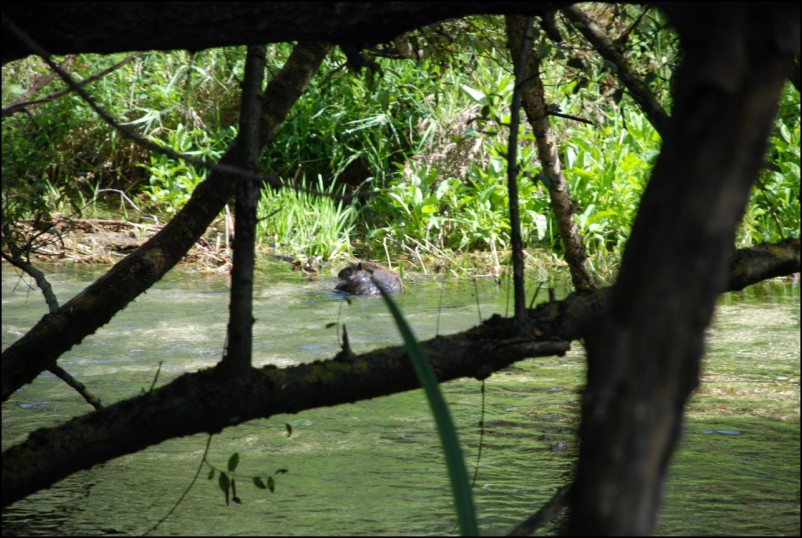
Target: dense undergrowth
x=425, y=138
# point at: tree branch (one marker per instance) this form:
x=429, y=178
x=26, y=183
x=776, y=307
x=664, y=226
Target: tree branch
x=22, y=104
x=519, y=44
x=52, y=304
x=768, y=260
x=208, y=402
x=202, y=25
x=551, y=175
x=237, y=356
x=605, y=47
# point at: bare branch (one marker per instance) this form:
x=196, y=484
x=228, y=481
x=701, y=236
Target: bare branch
x=546, y=513
x=637, y=87
x=237, y=356
x=52, y=304
x=519, y=46
x=551, y=175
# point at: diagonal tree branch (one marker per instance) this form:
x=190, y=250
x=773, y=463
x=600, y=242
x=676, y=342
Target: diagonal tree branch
x=534, y=103
x=604, y=46
x=209, y=401
x=22, y=104
x=52, y=303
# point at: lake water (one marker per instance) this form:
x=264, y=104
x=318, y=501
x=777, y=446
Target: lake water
x=375, y=467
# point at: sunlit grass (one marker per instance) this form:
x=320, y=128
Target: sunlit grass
x=294, y=221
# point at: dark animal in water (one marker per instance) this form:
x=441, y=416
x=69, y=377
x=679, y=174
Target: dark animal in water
x=358, y=279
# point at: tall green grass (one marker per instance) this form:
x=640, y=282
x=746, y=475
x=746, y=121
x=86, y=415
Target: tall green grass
x=292, y=220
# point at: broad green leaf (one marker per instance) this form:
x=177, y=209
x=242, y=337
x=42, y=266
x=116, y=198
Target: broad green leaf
x=476, y=95
x=223, y=481
x=233, y=461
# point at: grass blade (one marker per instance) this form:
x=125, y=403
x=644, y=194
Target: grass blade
x=460, y=487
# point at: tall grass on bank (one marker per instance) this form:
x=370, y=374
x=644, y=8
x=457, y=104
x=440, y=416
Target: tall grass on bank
x=296, y=222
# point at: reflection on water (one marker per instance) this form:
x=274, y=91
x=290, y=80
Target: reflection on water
x=375, y=467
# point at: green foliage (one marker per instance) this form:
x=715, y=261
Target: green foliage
x=227, y=480
x=426, y=138
x=64, y=143
x=773, y=211
x=302, y=223
x=170, y=182
x=350, y=127
x=430, y=204
x=607, y=170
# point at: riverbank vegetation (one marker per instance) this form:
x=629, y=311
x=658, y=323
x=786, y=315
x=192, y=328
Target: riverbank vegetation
x=402, y=161
x=345, y=152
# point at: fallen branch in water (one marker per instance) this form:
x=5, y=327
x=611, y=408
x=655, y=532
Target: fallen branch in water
x=208, y=402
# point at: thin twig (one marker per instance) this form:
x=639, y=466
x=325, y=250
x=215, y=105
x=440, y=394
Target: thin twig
x=545, y=514
x=186, y=491
x=52, y=304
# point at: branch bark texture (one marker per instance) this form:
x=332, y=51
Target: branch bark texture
x=128, y=26
x=240, y=322
x=534, y=101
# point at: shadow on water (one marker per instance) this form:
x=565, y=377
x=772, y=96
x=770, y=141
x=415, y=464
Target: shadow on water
x=375, y=467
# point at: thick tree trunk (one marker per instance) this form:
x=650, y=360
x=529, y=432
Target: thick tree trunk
x=643, y=361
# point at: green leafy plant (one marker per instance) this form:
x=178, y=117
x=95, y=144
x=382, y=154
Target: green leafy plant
x=306, y=224
x=607, y=170
x=227, y=480
x=171, y=182
x=773, y=210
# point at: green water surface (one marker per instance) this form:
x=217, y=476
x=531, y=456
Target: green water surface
x=375, y=467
